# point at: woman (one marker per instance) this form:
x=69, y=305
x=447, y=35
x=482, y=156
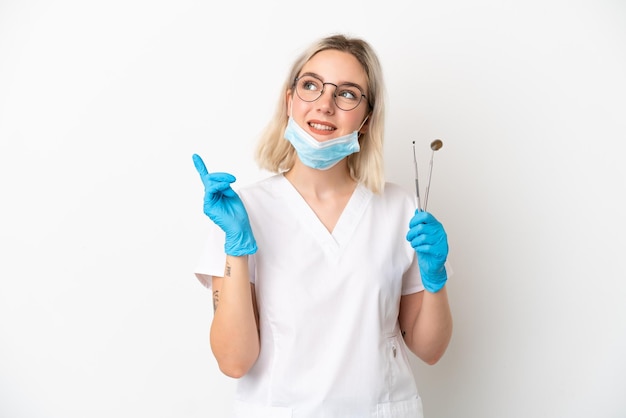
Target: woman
x=323, y=274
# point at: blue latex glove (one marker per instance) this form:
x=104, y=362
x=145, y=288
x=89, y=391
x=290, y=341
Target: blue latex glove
x=429, y=240
x=226, y=209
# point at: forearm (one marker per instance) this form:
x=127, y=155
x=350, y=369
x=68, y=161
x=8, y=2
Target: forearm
x=432, y=329
x=234, y=333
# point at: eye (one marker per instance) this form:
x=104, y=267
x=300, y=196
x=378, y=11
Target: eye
x=348, y=93
x=310, y=84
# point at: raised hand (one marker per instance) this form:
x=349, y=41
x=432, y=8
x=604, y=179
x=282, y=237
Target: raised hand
x=224, y=207
x=429, y=240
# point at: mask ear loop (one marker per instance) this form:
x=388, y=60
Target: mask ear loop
x=363, y=123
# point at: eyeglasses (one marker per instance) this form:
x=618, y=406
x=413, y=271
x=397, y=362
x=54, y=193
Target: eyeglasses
x=347, y=96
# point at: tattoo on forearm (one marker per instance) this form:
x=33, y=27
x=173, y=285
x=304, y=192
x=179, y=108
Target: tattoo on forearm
x=216, y=299
x=403, y=334
x=227, y=272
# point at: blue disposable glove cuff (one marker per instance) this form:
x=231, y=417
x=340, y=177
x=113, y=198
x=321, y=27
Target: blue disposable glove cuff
x=433, y=282
x=240, y=244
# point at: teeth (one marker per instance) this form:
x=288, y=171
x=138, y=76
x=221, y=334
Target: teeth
x=320, y=127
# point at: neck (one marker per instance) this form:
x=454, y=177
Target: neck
x=321, y=183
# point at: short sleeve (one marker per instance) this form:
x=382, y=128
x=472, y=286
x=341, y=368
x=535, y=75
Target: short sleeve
x=212, y=258
x=412, y=279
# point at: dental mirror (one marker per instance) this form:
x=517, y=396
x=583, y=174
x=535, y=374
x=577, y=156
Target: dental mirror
x=434, y=146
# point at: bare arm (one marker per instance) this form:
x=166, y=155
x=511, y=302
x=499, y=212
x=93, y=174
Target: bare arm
x=234, y=330
x=426, y=323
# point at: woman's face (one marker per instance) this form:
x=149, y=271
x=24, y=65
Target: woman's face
x=322, y=118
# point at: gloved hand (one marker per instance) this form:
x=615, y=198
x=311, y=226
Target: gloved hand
x=226, y=209
x=429, y=240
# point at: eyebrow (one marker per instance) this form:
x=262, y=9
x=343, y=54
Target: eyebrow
x=349, y=83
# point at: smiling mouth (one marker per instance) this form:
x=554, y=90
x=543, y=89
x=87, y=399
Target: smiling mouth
x=321, y=127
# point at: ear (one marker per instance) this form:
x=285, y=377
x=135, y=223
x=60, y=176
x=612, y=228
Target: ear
x=366, y=124
x=288, y=99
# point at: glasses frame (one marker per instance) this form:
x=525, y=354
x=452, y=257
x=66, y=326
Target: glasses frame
x=295, y=87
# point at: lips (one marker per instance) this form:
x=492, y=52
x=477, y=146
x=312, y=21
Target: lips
x=321, y=128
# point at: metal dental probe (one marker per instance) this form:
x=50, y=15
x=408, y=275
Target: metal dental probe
x=435, y=146
x=417, y=187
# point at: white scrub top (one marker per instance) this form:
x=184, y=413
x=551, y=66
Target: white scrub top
x=328, y=305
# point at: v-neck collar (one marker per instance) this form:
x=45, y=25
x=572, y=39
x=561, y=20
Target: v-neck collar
x=346, y=224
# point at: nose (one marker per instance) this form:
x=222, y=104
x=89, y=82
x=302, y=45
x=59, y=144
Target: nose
x=326, y=101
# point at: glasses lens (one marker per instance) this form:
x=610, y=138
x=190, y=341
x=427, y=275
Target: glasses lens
x=309, y=88
x=346, y=96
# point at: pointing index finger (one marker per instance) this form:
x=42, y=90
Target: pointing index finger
x=199, y=164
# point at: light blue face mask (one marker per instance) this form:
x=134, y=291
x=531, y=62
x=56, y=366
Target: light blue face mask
x=321, y=155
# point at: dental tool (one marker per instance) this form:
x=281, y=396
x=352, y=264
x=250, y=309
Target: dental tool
x=417, y=187
x=434, y=146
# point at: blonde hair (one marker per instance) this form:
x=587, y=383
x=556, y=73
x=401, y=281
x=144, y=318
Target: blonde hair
x=276, y=154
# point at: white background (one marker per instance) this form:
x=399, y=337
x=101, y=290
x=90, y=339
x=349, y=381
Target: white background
x=102, y=105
